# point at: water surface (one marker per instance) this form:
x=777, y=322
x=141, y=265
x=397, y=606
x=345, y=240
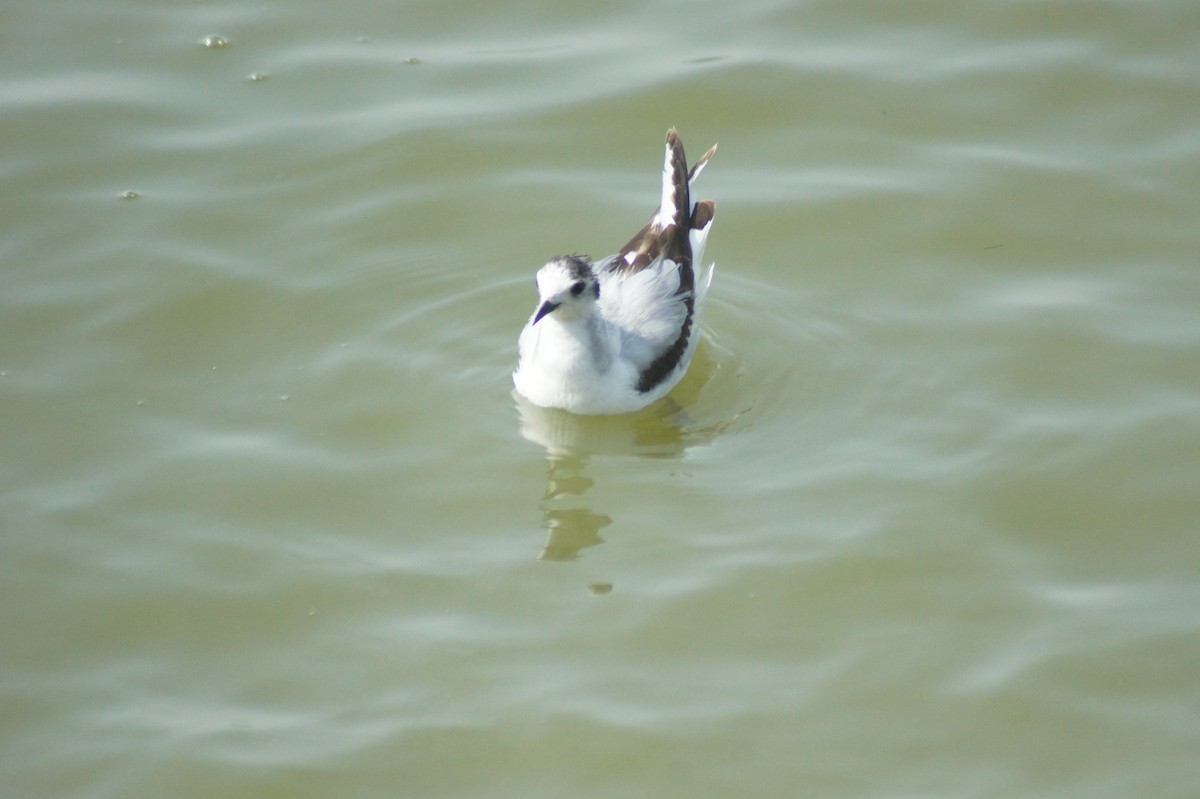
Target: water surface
x=921, y=521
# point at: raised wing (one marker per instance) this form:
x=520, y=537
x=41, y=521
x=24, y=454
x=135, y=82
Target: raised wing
x=666, y=234
x=648, y=289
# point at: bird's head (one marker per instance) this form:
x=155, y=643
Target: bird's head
x=567, y=286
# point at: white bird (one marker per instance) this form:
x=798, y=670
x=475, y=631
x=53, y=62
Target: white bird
x=615, y=336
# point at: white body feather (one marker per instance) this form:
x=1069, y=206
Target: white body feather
x=588, y=354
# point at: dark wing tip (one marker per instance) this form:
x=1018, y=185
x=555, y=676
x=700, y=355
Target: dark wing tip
x=670, y=239
x=703, y=213
x=679, y=176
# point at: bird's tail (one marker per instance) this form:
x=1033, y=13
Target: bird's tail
x=677, y=227
x=675, y=208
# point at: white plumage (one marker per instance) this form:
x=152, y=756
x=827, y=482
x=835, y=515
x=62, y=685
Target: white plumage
x=615, y=336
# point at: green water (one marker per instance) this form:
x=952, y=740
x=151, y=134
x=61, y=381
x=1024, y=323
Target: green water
x=921, y=521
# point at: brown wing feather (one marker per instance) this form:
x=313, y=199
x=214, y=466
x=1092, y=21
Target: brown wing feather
x=670, y=241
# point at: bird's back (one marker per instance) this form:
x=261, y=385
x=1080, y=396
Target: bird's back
x=635, y=343
x=649, y=288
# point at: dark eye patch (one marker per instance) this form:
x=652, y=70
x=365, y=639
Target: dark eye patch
x=577, y=289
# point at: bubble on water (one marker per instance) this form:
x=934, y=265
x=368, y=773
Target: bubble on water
x=129, y=195
x=215, y=42
x=257, y=77
x=412, y=60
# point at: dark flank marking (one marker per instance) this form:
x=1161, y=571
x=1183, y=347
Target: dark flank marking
x=662, y=366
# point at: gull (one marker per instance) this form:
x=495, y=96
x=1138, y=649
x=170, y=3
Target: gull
x=615, y=336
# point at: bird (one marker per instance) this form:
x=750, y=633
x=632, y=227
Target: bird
x=614, y=336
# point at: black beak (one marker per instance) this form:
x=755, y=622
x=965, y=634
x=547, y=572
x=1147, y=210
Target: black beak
x=546, y=308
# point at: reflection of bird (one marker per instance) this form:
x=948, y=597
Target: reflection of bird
x=614, y=336
x=649, y=434
x=570, y=529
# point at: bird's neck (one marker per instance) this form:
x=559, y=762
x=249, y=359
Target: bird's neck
x=579, y=342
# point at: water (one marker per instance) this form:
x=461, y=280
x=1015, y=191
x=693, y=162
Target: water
x=921, y=521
